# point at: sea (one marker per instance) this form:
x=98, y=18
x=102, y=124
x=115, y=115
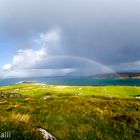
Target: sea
x=74, y=81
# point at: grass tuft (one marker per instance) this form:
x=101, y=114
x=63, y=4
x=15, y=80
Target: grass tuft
x=18, y=117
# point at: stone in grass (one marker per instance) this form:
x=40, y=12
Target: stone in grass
x=46, y=135
x=50, y=96
x=138, y=96
x=11, y=95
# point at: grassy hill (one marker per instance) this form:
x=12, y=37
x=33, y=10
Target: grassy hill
x=70, y=112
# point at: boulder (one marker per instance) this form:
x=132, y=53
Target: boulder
x=46, y=135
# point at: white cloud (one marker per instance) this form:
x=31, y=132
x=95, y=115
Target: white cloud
x=49, y=39
x=52, y=36
x=25, y=58
x=7, y=67
x=28, y=57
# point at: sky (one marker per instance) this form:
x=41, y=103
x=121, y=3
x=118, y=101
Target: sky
x=68, y=37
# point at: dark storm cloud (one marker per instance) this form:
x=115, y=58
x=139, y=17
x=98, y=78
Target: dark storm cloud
x=105, y=31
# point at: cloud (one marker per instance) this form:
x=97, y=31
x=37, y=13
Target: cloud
x=52, y=36
x=7, y=67
x=127, y=67
x=24, y=58
x=37, y=73
x=43, y=61
x=26, y=62
x=103, y=31
x=28, y=57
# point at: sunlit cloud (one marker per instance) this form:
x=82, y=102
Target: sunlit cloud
x=7, y=67
x=27, y=57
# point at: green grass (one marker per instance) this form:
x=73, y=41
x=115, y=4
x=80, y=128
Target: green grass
x=41, y=89
x=71, y=112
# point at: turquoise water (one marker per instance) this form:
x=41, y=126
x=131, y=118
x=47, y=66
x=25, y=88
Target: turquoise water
x=84, y=81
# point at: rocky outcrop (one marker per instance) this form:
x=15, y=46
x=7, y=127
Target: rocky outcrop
x=46, y=135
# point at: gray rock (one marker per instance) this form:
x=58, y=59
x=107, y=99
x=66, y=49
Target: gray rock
x=46, y=135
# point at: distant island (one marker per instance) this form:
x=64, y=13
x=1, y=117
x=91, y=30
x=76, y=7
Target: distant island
x=26, y=82
x=133, y=75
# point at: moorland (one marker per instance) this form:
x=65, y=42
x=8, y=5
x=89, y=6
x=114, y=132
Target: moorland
x=70, y=112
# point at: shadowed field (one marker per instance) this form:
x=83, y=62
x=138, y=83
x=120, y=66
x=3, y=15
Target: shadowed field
x=70, y=112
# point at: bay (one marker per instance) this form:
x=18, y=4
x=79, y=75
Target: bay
x=74, y=81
